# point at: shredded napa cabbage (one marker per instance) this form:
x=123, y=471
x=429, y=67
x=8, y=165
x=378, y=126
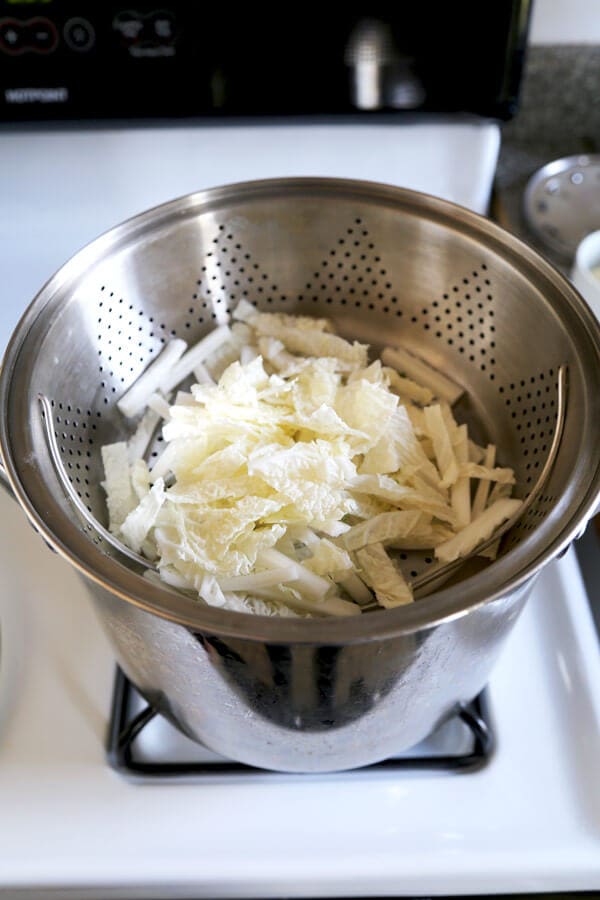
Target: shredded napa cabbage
x=291, y=469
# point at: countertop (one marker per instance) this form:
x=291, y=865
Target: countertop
x=558, y=115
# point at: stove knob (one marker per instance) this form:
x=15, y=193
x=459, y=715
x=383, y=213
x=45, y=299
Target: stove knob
x=11, y=36
x=41, y=35
x=37, y=35
x=79, y=34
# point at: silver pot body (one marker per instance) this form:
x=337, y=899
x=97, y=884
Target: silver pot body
x=309, y=707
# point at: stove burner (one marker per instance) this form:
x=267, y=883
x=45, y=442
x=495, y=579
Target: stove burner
x=142, y=745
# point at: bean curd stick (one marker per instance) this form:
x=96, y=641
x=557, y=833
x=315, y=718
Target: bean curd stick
x=418, y=370
x=442, y=445
x=478, y=530
x=460, y=495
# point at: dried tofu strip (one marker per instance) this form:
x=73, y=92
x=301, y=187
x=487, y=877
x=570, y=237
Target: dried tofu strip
x=398, y=449
x=136, y=398
x=417, y=418
x=428, y=449
x=418, y=370
x=184, y=398
x=356, y=588
x=442, y=444
x=385, y=527
x=380, y=573
x=460, y=495
x=473, y=470
x=476, y=453
x=303, y=335
x=407, y=388
x=491, y=552
x=500, y=491
x=365, y=507
x=403, y=496
x=315, y=343
x=451, y=423
x=479, y=530
x=246, y=312
x=425, y=540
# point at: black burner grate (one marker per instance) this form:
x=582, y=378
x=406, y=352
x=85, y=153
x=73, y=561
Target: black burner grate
x=131, y=717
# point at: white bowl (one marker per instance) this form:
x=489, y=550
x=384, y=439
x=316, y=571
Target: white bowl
x=585, y=274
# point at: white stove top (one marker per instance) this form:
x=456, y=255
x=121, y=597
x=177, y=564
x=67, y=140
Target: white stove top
x=69, y=825
x=529, y=821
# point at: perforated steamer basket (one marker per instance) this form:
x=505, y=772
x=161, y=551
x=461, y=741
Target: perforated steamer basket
x=388, y=266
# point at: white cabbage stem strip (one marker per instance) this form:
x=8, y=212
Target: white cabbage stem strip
x=247, y=354
x=174, y=579
x=312, y=585
x=310, y=589
x=195, y=356
x=136, y=398
x=159, y=405
x=140, y=440
x=257, y=580
x=202, y=375
x=330, y=606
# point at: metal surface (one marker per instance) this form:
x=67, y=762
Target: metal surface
x=308, y=707
x=387, y=265
x=426, y=582
x=561, y=203
x=464, y=743
x=75, y=496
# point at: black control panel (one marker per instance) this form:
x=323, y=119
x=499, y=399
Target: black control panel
x=68, y=59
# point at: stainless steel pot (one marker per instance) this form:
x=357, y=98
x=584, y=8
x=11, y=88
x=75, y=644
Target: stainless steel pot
x=388, y=265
